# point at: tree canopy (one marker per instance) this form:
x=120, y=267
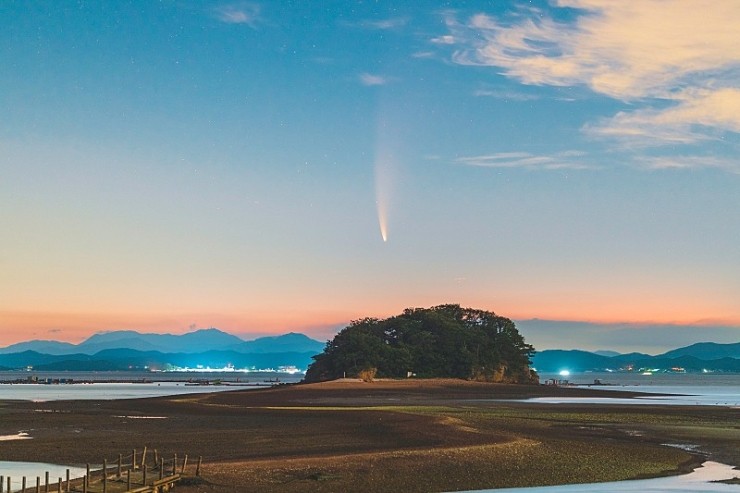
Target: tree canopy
x=445, y=341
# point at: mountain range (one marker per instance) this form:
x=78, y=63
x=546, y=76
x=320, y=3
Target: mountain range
x=708, y=356
x=128, y=349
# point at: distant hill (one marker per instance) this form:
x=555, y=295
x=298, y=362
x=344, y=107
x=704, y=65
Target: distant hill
x=128, y=349
x=131, y=359
x=290, y=342
x=555, y=360
x=47, y=347
x=706, y=350
x=192, y=342
x=697, y=357
x=603, y=352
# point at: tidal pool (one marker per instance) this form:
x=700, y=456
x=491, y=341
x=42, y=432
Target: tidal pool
x=33, y=470
x=698, y=481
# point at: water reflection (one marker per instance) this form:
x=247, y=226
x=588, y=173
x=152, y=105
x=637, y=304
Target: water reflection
x=699, y=481
x=33, y=470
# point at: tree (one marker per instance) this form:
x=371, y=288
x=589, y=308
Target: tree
x=441, y=341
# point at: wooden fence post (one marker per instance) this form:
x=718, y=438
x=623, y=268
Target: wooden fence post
x=143, y=476
x=8, y=484
x=46, y=484
x=133, y=460
x=143, y=457
x=161, y=467
x=197, y=469
x=2, y=483
x=156, y=459
x=128, y=479
x=105, y=476
x=174, y=465
x=67, y=487
x=84, y=484
x=23, y=484
x=184, y=464
x=87, y=477
x=59, y=486
x=120, y=465
x=38, y=484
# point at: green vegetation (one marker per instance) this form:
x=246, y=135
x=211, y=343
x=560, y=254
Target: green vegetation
x=444, y=341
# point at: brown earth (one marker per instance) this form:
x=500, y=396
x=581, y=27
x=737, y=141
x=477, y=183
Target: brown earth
x=411, y=435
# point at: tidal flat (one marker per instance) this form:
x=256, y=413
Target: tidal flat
x=384, y=436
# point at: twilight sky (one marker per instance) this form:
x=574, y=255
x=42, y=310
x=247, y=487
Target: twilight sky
x=573, y=165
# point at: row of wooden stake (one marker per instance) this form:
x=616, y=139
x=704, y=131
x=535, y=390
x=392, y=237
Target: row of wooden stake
x=66, y=486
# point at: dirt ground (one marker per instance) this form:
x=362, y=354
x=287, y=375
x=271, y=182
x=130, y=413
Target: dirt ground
x=412, y=435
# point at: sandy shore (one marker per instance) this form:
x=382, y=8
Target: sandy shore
x=414, y=435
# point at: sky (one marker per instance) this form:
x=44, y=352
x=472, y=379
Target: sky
x=265, y=167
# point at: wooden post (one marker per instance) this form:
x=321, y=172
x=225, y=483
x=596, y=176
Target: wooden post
x=46, y=483
x=67, y=488
x=156, y=459
x=23, y=484
x=184, y=464
x=143, y=476
x=143, y=457
x=105, y=475
x=59, y=487
x=197, y=469
x=86, y=479
x=38, y=484
x=128, y=479
x=161, y=467
x=84, y=484
x=120, y=465
x=8, y=484
x=2, y=483
x=174, y=465
x=133, y=459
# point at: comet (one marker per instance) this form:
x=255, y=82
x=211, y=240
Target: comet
x=383, y=188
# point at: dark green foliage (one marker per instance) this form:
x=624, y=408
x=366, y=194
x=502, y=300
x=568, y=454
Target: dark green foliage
x=443, y=341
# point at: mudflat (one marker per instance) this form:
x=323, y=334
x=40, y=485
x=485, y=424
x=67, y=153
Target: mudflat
x=382, y=436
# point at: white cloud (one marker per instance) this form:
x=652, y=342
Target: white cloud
x=691, y=118
x=444, y=40
x=372, y=79
x=506, y=95
x=525, y=160
x=649, y=53
x=691, y=162
x=386, y=24
x=240, y=13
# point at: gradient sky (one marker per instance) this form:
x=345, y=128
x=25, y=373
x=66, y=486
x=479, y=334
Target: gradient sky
x=177, y=164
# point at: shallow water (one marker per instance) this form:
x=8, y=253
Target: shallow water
x=105, y=391
x=129, y=385
x=695, y=482
x=685, y=389
x=32, y=470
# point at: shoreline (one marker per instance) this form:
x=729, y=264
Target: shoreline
x=421, y=435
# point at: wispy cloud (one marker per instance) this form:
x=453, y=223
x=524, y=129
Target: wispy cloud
x=573, y=160
x=388, y=24
x=695, y=116
x=444, y=40
x=239, y=13
x=649, y=53
x=505, y=95
x=691, y=162
x=367, y=79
